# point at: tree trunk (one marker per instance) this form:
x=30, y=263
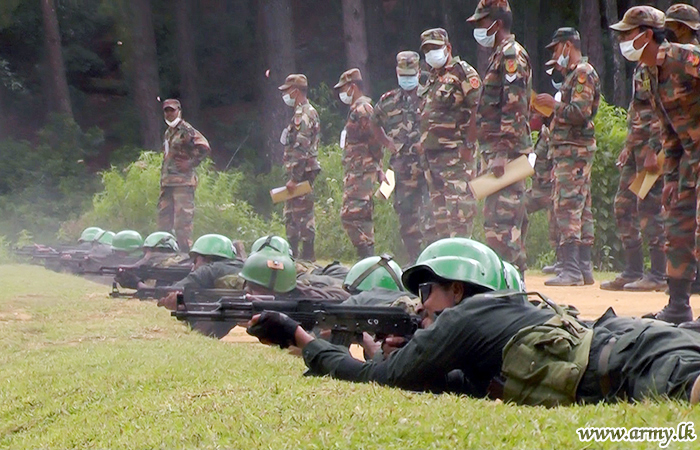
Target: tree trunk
x=187, y=59
x=620, y=84
x=56, y=78
x=590, y=29
x=663, y=5
x=356, y=39
x=447, y=16
x=276, y=23
x=531, y=41
x=145, y=73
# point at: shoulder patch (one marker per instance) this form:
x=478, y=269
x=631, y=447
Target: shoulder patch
x=474, y=82
x=646, y=84
x=582, y=77
x=693, y=58
x=511, y=65
x=579, y=88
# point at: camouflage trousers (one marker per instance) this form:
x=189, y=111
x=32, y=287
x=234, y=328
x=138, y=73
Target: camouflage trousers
x=504, y=213
x=454, y=206
x=682, y=231
x=410, y=202
x=176, y=213
x=636, y=217
x=358, y=206
x=572, y=193
x=299, y=217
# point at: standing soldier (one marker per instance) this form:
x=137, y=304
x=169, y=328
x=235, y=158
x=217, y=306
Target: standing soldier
x=362, y=159
x=300, y=140
x=184, y=148
x=503, y=121
x=448, y=135
x=573, y=147
x=682, y=24
x=634, y=216
x=396, y=123
x=676, y=102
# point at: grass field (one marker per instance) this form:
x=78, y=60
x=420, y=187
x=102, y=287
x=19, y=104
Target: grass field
x=80, y=370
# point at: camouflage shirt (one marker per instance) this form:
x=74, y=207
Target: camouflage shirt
x=504, y=108
x=678, y=104
x=573, y=115
x=301, y=146
x=451, y=97
x=361, y=153
x=643, y=125
x=182, y=143
x=398, y=113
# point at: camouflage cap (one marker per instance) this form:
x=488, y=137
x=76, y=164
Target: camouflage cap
x=486, y=7
x=564, y=34
x=685, y=14
x=407, y=63
x=349, y=76
x=172, y=103
x=435, y=36
x=638, y=16
x=296, y=80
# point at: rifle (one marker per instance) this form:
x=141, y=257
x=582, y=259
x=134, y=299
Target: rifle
x=346, y=323
x=150, y=293
x=169, y=275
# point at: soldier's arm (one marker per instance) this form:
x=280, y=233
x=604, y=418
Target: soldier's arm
x=302, y=147
x=673, y=150
x=516, y=98
x=377, y=123
x=199, y=149
x=202, y=277
x=471, y=89
x=580, y=109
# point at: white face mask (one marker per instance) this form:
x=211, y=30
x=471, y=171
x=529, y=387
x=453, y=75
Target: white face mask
x=288, y=100
x=173, y=124
x=629, y=52
x=436, y=58
x=408, y=82
x=345, y=98
x=482, y=37
x=562, y=61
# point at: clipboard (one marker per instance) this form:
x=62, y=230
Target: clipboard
x=487, y=184
x=281, y=194
x=545, y=111
x=644, y=181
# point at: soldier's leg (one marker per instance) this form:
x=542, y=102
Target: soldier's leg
x=183, y=201
x=437, y=187
x=166, y=210
x=461, y=204
x=292, y=223
x=587, y=235
x=503, y=217
x=356, y=217
x=408, y=198
x=307, y=225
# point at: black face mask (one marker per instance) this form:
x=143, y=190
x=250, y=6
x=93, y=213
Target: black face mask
x=671, y=35
x=557, y=76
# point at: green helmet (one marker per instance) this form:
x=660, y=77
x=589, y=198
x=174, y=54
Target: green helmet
x=375, y=271
x=273, y=270
x=214, y=245
x=127, y=241
x=513, y=280
x=105, y=237
x=90, y=234
x=272, y=242
x=458, y=259
x=161, y=239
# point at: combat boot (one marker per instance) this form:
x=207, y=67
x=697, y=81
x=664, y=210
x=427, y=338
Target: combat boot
x=678, y=309
x=294, y=247
x=585, y=264
x=655, y=280
x=571, y=273
x=365, y=251
x=308, y=252
x=695, y=286
x=634, y=270
x=555, y=268
x=692, y=326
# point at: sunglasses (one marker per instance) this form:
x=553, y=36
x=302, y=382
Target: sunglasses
x=424, y=290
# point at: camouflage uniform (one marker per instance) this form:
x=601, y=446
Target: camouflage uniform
x=539, y=196
x=683, y=15
x=300, y=161
x=504, y=132
x=181, y=144
x=362, y=157
x=398, y=114
x=450, y=99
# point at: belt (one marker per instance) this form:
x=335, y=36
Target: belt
x=603, y=363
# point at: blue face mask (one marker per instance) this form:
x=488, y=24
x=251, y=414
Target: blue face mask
x=408, y=82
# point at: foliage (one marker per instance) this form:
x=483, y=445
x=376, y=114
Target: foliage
x=5, y=254
x=325, y=100
x=81, y=370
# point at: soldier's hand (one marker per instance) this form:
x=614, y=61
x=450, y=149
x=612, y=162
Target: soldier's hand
x=382, y=177
x=291, y=185
x=391, y=344
x=498, y=167
x=622, y=159
x=466, y=153
x=669, y=196
x=546, y=101
x=273, y=328
x=651, y=162
x=169, y=301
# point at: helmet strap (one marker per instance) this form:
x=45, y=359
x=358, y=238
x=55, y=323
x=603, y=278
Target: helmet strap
x=383, y=262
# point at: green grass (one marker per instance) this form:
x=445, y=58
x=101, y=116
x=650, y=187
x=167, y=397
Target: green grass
x=79, y=370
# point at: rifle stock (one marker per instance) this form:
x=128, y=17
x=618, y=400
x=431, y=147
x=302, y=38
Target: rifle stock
x=151, y=293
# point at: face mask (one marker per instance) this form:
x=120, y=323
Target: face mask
x=345, y=98
x=557, y=78
x=563, y=62
x=408, y=82
x=482, y=37
x=288, y=100
x=629, y=52
x=173, y=124
x=436, y=58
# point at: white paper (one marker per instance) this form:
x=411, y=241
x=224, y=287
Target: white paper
x=532, y=158
x=283, y=138
x=166, y=146
x=343, y=136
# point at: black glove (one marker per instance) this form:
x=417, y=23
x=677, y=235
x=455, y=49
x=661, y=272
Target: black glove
x=276, y=328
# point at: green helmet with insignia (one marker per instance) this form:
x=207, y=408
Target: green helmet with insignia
x=271, y=242
x=90, y=234
x=162, y=240
x=270, y=269
x=127, y=241
x=105, y=237
x=375, y=271
x=214, y=245
x=458, y=259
